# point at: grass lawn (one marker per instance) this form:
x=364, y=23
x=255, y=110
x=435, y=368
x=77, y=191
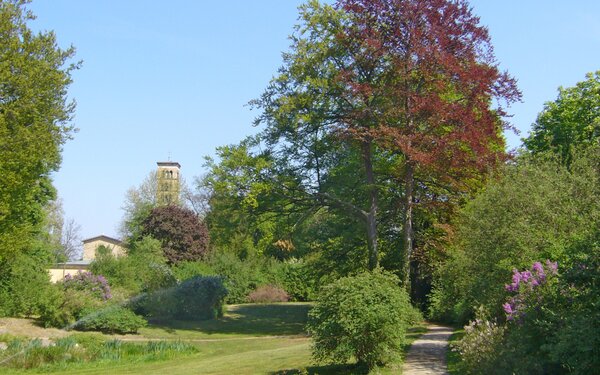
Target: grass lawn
x=249, y=339
x=278, y=319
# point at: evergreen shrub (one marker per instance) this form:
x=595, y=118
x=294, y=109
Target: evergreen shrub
x=198, y=298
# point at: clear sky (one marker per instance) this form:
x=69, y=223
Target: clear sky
x=171, y=79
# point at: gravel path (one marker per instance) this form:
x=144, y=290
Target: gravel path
x=427, y=355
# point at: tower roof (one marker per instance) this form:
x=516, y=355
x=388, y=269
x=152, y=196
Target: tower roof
x=168, y=164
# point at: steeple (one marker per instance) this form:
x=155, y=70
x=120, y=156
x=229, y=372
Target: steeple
x=168, y=183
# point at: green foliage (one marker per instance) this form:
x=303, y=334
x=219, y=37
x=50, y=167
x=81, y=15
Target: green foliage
x=198, y=298
x=298, y=280
x=553, y=332
x=187, y=270
x=143, y=270
x=569, y=122
x=479, y=347
x=241, y=277
x=363, y=316
x=113, y=319
x=65, y=307
x=533, y=211
x=34, y=117
x=24, y=282
x=73, y=298
x=139, y=202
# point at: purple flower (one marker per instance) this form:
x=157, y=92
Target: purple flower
x=516, y=276
x=508, y=309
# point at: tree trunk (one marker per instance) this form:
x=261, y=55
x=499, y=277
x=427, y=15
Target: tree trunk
x=408, y=225
x=372, y=214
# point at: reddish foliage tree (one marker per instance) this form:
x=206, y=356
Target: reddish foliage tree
x=423, y=82
x=414, y=78
x=184, y=237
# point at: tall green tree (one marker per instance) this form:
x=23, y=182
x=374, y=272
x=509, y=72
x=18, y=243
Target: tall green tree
x=572, y=120
x=35, y=115
x=247, y=215
x=411, y=87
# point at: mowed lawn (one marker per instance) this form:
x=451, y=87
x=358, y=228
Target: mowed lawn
x=249, y=339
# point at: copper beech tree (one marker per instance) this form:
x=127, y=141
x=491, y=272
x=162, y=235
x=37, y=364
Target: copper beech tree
x=414, y=80
x=183, y=236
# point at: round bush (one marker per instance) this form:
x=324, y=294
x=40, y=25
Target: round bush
x=363, y=316
x=115, y=319
x=198, y=298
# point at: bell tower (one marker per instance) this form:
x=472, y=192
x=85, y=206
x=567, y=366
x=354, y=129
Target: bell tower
x=167, y=192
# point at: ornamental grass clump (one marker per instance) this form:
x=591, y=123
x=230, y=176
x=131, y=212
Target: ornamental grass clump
x=363, y=317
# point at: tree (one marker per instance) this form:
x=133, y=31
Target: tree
x=71, y=240
x=408, y=86
x=246, y=212
x=140, y=200
x=34, y=123
x=63, y=235
x=573, y=119
x=182, y=234
x=532, y=212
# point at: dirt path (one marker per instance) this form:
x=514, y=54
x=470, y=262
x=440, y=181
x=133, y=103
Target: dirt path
x=28, y=328
x=427, y=355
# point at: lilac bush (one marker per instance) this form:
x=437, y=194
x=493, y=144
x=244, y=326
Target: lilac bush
x=478, y=348
x=97, y=285
x=524, y=284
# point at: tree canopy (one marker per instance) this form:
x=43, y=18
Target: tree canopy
x=392, y=93
x=572, y=120
x=35, y=115
x=183, y=236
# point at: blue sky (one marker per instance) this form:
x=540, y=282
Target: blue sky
x=171, y=79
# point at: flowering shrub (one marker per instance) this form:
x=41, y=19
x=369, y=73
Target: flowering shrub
x=525, y=284
x=86, y=281
x=479, y=347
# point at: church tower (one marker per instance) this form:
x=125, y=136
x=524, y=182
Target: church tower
x=168, y=183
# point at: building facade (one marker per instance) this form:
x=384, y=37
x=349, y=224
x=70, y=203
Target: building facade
x=90, y=251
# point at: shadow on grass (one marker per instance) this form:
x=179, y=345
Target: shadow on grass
x=326, y=370
x=251, y=319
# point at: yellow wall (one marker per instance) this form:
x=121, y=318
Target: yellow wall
x=57, y=274
x=89, y=249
